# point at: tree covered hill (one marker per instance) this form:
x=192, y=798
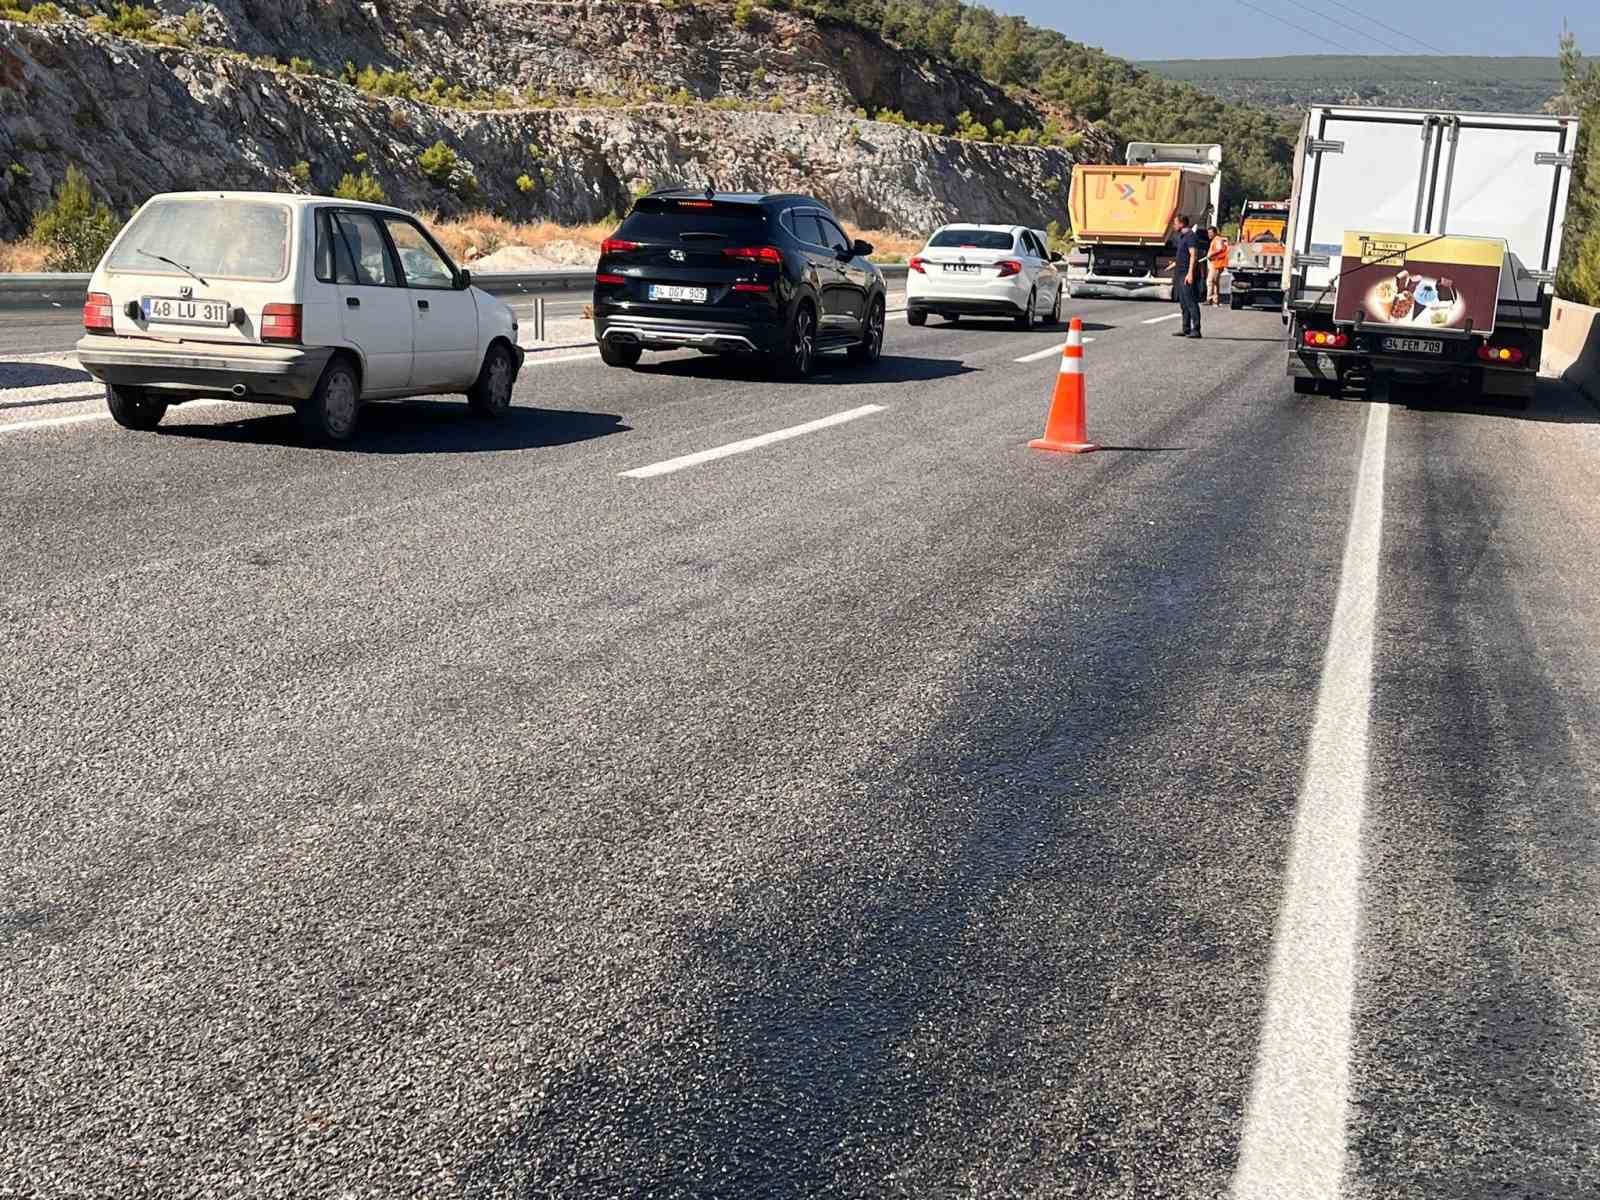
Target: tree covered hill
x=1288, y=85
x=1131, y=103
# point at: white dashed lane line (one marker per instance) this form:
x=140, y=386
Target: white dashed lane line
x=755, y=443
x=1293, y=1146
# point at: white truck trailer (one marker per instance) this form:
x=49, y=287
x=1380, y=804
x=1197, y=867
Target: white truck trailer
x=1423, y=245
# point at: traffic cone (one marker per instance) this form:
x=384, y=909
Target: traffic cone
x=1066, y=427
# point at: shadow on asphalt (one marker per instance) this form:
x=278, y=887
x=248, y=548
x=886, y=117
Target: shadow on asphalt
x=832, y=369
x=1003, y=325
x=1214, y=338
x=1148, y=449
x=422, y=427
x=25, y=374
x=1552, y=401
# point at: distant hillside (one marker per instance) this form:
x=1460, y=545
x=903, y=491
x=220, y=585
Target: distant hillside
x=1480, y=84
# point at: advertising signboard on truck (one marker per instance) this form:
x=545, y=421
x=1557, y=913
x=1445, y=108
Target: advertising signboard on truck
x=1420, y=282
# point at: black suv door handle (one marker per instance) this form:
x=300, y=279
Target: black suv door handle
x=422, y=304
x=352, y=302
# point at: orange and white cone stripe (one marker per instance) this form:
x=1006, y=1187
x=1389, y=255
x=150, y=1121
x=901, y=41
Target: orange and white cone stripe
x=1065, y=429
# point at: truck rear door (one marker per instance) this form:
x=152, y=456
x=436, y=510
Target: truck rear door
x=1360, y=171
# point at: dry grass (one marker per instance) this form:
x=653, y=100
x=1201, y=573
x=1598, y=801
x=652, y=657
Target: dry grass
x=21, y=258
x=489, y=233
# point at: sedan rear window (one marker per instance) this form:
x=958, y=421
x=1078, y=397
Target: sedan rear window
x=675, y=221
x=983, y=239
x=210, y=236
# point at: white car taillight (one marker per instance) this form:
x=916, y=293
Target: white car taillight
x=97, y=316
x=280, y=323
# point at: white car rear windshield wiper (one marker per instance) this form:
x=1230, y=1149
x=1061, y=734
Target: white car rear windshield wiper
x=171, y=262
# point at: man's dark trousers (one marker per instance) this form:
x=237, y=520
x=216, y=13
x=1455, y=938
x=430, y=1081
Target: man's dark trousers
x=1188, y=297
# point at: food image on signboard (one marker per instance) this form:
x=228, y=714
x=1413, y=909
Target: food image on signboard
x=1419, y=281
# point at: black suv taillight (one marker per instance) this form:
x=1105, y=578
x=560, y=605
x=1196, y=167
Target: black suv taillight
x=755, y=254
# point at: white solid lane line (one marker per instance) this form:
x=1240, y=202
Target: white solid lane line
x=80, y=418
x=533, y=360
x=1293, y=1146
x=1046, y=353
x=1158, y=320
x=755, y=443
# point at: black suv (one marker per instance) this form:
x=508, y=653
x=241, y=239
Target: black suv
x=736, y=273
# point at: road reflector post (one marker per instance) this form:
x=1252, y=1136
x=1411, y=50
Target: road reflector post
x=1066, y=428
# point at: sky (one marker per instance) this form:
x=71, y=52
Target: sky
x=1239, y=29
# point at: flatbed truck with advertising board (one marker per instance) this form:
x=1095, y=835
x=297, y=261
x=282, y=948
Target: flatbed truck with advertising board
x=1423, y=246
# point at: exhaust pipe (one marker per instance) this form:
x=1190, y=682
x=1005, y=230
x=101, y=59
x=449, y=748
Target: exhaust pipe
x=238, y=391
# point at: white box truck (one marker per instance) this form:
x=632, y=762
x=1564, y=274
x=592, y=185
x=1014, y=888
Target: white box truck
x=1424, y=245
x=1122, y=217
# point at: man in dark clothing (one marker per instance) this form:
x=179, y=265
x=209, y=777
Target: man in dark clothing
x=1186, y=276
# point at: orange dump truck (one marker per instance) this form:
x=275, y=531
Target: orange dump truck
x=1122, y=216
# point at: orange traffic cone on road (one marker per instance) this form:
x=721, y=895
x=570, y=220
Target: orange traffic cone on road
x=1066, y=427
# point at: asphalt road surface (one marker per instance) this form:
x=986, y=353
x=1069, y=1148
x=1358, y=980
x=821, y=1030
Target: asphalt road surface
x=889, y=810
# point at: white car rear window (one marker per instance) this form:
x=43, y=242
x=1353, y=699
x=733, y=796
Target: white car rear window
x=982, y=239
x=210, y=236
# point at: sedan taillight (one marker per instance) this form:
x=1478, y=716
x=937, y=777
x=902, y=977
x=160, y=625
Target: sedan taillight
x=919, y=265
x=280, y=323
x=97, y=315
x=1009, y=267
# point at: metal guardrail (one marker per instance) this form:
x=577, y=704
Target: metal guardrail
x=46, y=293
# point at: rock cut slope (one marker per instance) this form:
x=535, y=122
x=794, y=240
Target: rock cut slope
x=558, y=110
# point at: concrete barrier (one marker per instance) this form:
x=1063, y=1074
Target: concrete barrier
x=1571, y=348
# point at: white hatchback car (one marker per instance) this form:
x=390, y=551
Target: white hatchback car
x=985, y=271
x=284, y=299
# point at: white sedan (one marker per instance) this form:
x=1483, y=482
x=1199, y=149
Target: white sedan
x=985, y=271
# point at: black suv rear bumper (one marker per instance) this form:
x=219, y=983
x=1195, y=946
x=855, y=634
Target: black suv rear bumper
x=622, y=328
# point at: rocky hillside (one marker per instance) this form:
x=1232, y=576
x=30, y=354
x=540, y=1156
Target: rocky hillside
x=544, y=109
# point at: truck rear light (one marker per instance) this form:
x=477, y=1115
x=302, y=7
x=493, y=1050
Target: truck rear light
x=610, y=280
x=280, y=323
x=97, y=316
x=1009, y=267
x=617, y=246
x=1505, y=355
x=1324, y=340
x=918, y=264
x=752, y=287
x=759, y=254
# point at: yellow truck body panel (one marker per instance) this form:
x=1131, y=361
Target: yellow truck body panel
x=1124, y=205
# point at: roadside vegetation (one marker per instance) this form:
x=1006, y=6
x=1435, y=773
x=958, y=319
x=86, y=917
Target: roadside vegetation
x=1132, y=104
x=1579, y=276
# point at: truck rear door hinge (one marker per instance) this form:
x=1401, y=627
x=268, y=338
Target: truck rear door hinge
x=1548, y=158
x=1541, y=276
x=1312, y=260
x=1323, y=146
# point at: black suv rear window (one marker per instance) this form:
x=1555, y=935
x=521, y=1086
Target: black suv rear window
x=669, y=220
x=983, y=239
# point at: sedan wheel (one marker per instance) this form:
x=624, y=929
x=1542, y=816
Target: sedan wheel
x=491, y=394
x=132, y=409
x=1030, y=313
x=330, y=414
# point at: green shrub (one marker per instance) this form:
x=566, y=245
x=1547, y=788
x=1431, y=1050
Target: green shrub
x=437, y=161
x=74, y=229
x=361, y=187
x=39, y=14
x=303, y=66
x=525, y=184
x=301, y=172
x=743, y=10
